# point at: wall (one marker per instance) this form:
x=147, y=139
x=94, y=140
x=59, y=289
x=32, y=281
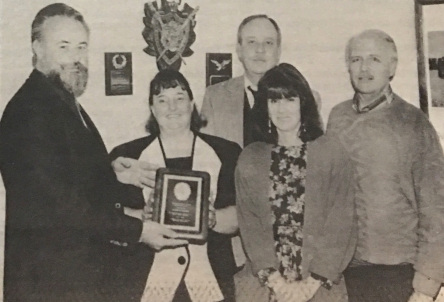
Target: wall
x=314, y=36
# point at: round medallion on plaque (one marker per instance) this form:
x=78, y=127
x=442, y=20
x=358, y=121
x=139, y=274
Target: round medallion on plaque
x=182, y=191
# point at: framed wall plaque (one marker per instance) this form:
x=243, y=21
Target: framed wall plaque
x=118, y=73
x=219, y=67
x=181, y=202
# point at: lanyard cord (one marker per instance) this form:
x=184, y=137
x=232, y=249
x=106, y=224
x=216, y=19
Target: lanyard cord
x=192, y=150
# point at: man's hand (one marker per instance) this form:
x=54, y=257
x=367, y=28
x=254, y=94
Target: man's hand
x=158, y=237
x=136, y=213
x=298, y=291
x=418, y=297
x=134, y=172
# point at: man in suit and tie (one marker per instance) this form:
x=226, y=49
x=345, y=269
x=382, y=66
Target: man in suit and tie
x=226, y=106
x=63, y=201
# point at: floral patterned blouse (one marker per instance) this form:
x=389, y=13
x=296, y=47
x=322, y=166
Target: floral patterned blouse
x=287, y=175
x=287, y=192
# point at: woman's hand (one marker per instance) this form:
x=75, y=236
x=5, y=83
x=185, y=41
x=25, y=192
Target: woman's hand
x=148, y=208
x=226, y=218
x=298, y=291
x=211, y=216
x=419, y=297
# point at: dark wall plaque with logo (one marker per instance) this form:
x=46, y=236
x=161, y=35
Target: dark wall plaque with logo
x=118, y=73
x=219, y=67
x=181, y=202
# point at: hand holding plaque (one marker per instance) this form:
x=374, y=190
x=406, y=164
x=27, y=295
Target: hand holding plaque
x=147, y=213
x=211, y=215
x=181, y=202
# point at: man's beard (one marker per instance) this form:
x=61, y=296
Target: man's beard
x=71, y=77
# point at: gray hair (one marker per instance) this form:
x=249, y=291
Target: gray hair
x=374, y=34
x=53, y=10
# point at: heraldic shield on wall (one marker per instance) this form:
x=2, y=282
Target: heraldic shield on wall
x=169, y=32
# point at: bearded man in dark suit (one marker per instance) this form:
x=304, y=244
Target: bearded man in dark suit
x=62, y=197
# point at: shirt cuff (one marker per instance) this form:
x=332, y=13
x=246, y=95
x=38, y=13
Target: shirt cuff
x=425, y=285
x=324, y=281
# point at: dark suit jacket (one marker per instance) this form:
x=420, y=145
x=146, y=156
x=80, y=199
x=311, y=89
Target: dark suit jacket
x=62, y=199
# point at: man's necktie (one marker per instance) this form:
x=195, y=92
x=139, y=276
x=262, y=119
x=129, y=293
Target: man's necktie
x=81, y=114
x=248, y=121
x=255, y=95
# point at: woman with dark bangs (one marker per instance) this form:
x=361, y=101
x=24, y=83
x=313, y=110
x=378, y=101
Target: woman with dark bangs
x=295, y=208
x=195, y=272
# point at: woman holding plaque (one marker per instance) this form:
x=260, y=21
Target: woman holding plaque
x=295, y=207
x=198, y=272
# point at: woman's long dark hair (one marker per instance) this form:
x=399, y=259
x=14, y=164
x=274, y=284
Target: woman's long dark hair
x=169, y=78
x=285, y=81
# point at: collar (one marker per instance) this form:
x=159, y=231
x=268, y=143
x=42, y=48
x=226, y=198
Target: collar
x=386, y=96
x=248, y=83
